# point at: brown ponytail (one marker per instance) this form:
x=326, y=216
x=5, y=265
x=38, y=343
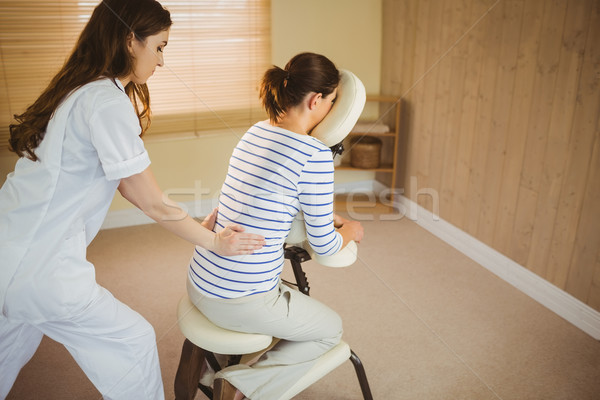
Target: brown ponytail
x=101, y=51
x=282, y=89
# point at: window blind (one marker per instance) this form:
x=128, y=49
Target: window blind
x=215, y=58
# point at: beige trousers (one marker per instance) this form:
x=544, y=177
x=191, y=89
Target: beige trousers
x=308, y=329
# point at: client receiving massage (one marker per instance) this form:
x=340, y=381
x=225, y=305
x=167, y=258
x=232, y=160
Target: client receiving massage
x=276, y=171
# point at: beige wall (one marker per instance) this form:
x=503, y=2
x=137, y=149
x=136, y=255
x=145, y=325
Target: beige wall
x=348, y=32
x=501, y=119
x=188, y=168
x=7, y=164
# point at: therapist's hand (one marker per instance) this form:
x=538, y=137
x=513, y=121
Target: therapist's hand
x=232, y=241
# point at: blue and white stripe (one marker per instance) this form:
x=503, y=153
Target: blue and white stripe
x=273, y=175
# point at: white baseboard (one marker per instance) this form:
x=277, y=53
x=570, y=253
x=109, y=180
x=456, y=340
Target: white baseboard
x=568, y=307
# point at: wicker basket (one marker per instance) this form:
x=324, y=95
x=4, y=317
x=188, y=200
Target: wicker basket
x=366, y=152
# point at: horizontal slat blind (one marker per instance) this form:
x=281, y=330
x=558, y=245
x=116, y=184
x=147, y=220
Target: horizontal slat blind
x=215, y=58
x=36, y=36
x=217, y=53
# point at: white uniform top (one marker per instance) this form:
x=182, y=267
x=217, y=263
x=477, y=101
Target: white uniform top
x=51, y=209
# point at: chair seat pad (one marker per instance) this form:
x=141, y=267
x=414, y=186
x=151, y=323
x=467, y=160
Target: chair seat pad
x=206, y=335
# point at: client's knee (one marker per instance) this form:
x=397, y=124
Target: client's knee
x=334, y=331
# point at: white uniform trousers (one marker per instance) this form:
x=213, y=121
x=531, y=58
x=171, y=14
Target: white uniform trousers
x=114, y=345
x=308, y=329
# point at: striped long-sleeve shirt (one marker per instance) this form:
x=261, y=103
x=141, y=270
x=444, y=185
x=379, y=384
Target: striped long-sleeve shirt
x=273, y=175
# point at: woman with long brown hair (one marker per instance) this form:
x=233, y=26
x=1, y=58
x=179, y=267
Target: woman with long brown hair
x=78, y=143
x=276, y=171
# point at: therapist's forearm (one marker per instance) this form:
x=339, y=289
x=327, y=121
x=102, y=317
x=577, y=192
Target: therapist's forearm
x=171, y=217
x=191, y=231
x=143, y=192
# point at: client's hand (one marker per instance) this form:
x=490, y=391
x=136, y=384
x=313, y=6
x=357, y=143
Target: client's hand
x=338, y=221
x=351, y=230
x=231, y=241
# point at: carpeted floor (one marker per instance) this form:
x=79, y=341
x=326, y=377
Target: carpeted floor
x=427, y=322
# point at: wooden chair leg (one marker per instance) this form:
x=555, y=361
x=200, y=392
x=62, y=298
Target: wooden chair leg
x=188, y=372
x=362, y=376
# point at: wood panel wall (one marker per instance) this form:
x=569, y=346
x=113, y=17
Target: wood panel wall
x=501, y=119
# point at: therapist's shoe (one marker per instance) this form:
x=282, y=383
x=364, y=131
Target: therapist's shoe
x=224, y=390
